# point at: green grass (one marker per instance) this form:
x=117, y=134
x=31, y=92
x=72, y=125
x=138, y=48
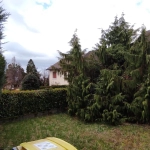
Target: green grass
x=82, y=136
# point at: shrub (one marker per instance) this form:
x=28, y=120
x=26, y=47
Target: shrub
x=30, y=82
x=14, y=104
x=53, y=86
x=58, y=86
x=44, y=87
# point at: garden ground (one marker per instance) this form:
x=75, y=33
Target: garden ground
x=82, y=135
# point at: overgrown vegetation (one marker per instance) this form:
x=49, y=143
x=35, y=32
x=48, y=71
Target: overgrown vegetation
x=120, y=91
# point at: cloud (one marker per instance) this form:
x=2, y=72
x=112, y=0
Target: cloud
x=23, y=55
x=39, y=28
x=19, y=20
x=17, y=49
x=44, y=3
x=139, y=2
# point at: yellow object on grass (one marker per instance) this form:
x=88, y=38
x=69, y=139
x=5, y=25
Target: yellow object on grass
x=49, y=143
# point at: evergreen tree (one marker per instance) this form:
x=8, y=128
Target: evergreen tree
x=114, y=89
x=3, y=19
x=31, y=67
x=73, y=65
x=72, y=62
x=2, y=70
x=139, y=71
x=30, y=82
x=122, y=90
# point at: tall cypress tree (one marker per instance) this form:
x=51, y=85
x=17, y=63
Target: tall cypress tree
x=73, y=65
x=122, y=90
x=140, y=74
x=115, y=87
x=31, y=68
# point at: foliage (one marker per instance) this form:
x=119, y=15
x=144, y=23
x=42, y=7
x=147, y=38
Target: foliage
x=3, y=18
x=120, y=71
x=2, y=70
x=15, y=104
x=123, y=57
x=31, y=68
x=44, y=87
x=72, y=63
x=79, y=90
x=30, y=82
x=53, y=87
x=58, y=86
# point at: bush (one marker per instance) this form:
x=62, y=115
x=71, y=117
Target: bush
x=15, y=104
x=58, y=86
x=53, y=86
x=45, y=87
x=30, y=82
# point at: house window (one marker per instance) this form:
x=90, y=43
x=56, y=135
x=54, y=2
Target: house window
x=54, y=74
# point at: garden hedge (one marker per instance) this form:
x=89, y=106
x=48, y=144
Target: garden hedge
x=53, y=86
x=15, y=104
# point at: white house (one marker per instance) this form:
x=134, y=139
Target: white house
x=55, y=75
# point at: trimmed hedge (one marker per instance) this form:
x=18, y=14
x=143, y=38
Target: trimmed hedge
x=53, y=86
x=15, y=104
x=58, y=86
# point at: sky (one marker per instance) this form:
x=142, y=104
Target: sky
x=37, y=29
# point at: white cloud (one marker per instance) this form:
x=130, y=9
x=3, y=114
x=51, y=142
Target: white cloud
x=55, y=25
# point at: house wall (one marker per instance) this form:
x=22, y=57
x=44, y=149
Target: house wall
x=59, y=80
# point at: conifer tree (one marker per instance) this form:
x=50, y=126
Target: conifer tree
x=111, y=97
x=30, y=82
x=3, y=18
x=73, y=65
x=140, y=75
x=31, y=67
x=2, y=70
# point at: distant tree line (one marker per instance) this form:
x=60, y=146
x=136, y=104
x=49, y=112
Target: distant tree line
x=13, y=75
x=16, y=77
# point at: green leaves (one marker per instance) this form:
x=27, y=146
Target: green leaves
x=2, y=72
x=3, y=19
x=15, y=104
x=30, y=82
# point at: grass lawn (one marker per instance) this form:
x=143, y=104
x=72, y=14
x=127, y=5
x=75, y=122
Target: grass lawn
x=82, y=136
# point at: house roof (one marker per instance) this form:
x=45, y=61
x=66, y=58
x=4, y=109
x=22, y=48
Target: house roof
x=57, y=65
x=88, y=54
